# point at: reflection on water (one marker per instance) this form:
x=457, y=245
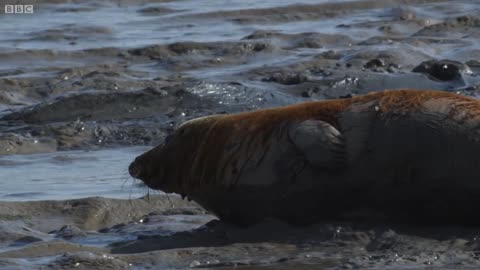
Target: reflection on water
x=92, y=25
x=85, y=59
x=68, y=175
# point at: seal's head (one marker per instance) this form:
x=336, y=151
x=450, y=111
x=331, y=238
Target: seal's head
x=167, y=165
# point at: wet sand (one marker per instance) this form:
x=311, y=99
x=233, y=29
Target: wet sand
x=88, y=76
x=161, y=233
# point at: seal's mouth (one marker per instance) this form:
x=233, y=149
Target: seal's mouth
x=134, y=170
x=141, y=169
x=151, y=168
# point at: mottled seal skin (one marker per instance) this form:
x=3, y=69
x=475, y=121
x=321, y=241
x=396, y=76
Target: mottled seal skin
x=410, y=156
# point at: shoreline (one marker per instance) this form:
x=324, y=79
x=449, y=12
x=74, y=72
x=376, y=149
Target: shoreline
x=119, y=74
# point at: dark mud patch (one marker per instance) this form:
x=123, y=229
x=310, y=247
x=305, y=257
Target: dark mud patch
x=155, y=11
x=457, y=27
x=122, y=118
x=138, y=69
x=70, y=32
x=443, y=70
x=173, y=233
x=302, y=40
x=97, y=107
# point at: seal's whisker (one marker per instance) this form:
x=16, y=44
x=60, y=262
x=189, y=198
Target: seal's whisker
x=168, y=198
x=125, y=179
x=130, y=190
x=132, y=186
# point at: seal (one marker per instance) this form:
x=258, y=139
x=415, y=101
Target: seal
x=397, y=155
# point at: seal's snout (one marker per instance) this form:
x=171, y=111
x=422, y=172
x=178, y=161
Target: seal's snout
x=146, y=169
x=134, y=170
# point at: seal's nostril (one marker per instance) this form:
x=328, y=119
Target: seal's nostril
x=134, y=170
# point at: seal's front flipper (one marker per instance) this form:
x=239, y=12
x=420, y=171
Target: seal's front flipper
x=321, y=143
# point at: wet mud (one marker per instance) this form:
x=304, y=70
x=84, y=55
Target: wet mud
x=90, y=76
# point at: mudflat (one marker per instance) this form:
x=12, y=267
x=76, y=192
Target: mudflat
x=84, y=81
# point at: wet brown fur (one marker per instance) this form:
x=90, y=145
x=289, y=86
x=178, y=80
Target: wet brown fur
x=206, y=163
x=399, y=153
x=257, y=127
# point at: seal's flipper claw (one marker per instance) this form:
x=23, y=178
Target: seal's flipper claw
x=321, y=143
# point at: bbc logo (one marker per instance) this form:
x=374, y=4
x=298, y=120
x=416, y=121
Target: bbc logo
x=18, y=8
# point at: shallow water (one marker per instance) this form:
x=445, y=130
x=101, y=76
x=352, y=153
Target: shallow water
x=85, y=86
x=69, y=175
x=107, y=24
